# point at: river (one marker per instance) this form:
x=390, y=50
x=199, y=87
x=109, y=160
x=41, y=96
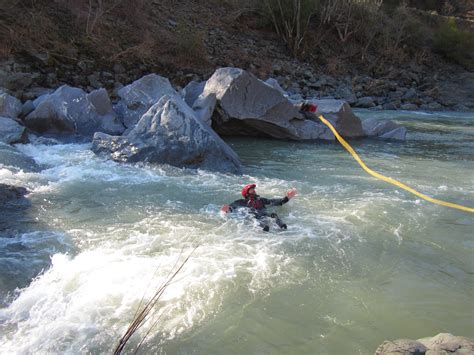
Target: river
x=361, y=261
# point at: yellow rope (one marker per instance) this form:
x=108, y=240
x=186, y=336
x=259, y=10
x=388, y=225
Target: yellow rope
x=389, y=179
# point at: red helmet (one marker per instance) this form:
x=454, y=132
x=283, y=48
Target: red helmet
x=246, y=189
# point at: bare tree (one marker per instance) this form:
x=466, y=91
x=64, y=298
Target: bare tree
x=291, y=20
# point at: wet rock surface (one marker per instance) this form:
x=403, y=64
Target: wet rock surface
x=443, y=343
x=170, y=133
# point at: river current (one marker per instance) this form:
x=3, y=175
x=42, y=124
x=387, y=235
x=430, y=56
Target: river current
x=360, y=263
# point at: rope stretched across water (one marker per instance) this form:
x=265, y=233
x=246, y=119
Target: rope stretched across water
x=389, y=179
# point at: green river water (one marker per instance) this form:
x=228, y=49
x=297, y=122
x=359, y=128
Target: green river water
x=361, y=261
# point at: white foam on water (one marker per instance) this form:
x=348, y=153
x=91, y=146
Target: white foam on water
x=85, y=302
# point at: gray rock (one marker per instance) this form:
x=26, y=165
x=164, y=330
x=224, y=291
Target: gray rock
x=248, y=104
x=9, y=193
x=296, y=97
x=389, y=106
x=384, y=129
x=191, y=92
x=274, y=84
x=140, y=95
x=448, y=343
x=9, y=106
x=312, y=130
x=94, y=81
x=401, y=347
x=72, y=111
x=15, y=81
x=308, y=74
x=169, y=133
x=365, y=102
x=433, y=106
x=27, y=108
x=443, y=343
x=341, y=116
x=409, y=107
x=12, y=132
x=34, y=93
x=204, y=108
x=398, y=134
x=410, y=94
x=12, y=158
x=345, y=93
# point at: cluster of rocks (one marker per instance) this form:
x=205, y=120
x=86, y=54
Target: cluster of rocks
x=29, y=79
x=400, y=90
x=443, y=343
x=152, y=122
x=413, y=87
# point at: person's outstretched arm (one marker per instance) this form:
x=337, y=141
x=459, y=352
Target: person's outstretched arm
x=279, y=201
x=233, y=206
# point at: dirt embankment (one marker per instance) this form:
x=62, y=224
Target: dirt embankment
x=110, y=43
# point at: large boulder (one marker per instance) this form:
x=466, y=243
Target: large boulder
x=12, y=132
x=139, y=96
x=341, y=116
x=192, y=91
x=203, y=108
x=73, y=111
x=248, y=106
x=384, y=129
x=170, y=133
x=9, y=106
x=276, y=85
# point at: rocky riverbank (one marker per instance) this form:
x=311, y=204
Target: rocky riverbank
x=411, y=88
x=150, y=121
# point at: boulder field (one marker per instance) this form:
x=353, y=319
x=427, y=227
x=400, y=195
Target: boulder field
x=152, y=122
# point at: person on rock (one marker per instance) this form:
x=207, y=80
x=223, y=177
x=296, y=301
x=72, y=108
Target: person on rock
x=257, y=204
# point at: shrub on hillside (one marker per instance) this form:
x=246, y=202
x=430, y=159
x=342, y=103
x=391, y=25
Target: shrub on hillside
x=455, y=44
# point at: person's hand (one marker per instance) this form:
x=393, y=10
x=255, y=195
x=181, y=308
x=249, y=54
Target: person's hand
x=225, y=208
x=290, y=194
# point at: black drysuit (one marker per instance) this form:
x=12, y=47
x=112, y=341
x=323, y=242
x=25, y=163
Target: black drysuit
x=257, y=204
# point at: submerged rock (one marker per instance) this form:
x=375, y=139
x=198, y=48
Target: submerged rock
x=73, y=111
x=139, y=96
x=9, y=193
x=170, y=133
x=13, y=203
x=384, y=129
x=12, y=158
x=12, y=132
